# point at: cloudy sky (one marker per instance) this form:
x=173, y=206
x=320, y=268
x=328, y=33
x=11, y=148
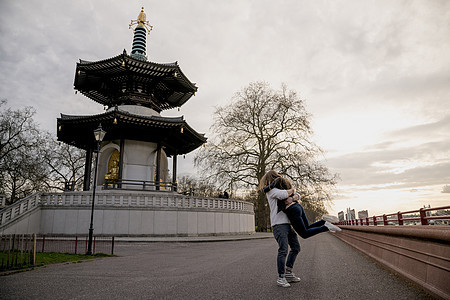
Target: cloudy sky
x=375, y=75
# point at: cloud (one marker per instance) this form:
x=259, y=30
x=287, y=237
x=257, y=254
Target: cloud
x=405, y=160
x=446, y=189
x=432, y=130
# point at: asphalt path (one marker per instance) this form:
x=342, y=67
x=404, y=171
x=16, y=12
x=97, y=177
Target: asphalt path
x=329, y=269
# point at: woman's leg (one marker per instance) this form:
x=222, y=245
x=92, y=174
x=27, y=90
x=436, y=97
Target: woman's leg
x=295, y=214
x=317, y=224
x=305, y=220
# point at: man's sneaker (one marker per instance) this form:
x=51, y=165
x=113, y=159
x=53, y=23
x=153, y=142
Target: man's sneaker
x=283, y=282
x=290, y=277
x=331, y=227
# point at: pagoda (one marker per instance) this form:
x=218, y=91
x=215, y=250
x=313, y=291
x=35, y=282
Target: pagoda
x=134, y=152
x=132, y=193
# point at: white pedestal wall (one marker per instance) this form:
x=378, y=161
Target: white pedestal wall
x=129, y=213
x=141, y=222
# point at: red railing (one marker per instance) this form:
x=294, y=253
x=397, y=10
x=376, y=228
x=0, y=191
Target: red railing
x=402, y=218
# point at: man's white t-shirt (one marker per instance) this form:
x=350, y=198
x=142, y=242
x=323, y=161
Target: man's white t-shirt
x=272, y=197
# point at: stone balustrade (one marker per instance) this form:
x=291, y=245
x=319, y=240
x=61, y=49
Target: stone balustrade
x=19, y=208
x=137, y=212
x=146, y=199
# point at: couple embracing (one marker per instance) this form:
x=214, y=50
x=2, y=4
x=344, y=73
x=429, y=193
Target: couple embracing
x=287, y=213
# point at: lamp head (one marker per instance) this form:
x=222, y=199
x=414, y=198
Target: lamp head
x=99, y=133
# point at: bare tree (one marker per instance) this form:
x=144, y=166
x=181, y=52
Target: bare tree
x=189, y=184
x=17, y=130
x=32, y=160
x=65, y=165
x=260, y=130
x=21, y=168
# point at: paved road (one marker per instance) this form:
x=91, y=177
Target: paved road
x=246, y=269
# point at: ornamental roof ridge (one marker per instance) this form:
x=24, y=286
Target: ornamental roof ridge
x=165, y=119
x=168, y=64
x=193, y=131
x=87, y=62
x=122, y=60
x=125, y=113
x=158, y=118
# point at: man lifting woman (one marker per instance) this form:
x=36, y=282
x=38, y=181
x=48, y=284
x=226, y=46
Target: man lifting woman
x=285, y=210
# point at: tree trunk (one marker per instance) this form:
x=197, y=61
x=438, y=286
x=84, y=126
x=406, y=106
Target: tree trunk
x=262, y=215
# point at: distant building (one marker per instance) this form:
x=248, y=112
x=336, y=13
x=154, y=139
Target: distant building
x=2, y=201
x=363, y=214
x=350, y=214
x=341, y=216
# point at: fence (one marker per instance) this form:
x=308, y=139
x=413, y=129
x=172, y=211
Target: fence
x=139, y=185
x=74, y=244
x=422, y=216
x=19, y=250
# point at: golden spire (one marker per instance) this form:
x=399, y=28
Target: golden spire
x=141, y=21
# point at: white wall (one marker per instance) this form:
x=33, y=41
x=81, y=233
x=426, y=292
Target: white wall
x=135, y=213
x=134, y=222
x=29, y=223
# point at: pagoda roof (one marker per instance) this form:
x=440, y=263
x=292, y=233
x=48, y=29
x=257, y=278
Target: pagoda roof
x=126, y=80
x=174, y=134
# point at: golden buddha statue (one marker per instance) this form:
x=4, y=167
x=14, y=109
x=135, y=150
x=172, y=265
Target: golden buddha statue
x=113, y=166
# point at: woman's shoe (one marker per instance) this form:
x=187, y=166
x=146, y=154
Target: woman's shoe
x=331, y=227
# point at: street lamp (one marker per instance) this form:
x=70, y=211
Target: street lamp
x=99, y=134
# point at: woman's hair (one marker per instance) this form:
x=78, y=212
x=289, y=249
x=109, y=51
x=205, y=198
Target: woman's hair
x=275, y=178
x=283, y=183
x=267, y=179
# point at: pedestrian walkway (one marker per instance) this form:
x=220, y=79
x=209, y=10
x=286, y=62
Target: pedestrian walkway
x=235, y=269
x=195, y=239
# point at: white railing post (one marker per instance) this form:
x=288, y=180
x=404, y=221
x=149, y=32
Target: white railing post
x=11, y=216
x=21, y=207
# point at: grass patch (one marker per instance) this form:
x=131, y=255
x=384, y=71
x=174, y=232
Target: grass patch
x=48, y=258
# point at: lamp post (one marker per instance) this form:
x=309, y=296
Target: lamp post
x=99, y=134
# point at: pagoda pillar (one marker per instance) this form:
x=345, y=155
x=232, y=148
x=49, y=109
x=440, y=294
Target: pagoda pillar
x=158, y=166
x=122, y=147
x=87, y=170
x=174, y=172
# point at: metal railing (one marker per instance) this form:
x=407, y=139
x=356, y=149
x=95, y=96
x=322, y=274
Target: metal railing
x=76, y=244
x=139, y=185
x=421, y=216
x=17, y=250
